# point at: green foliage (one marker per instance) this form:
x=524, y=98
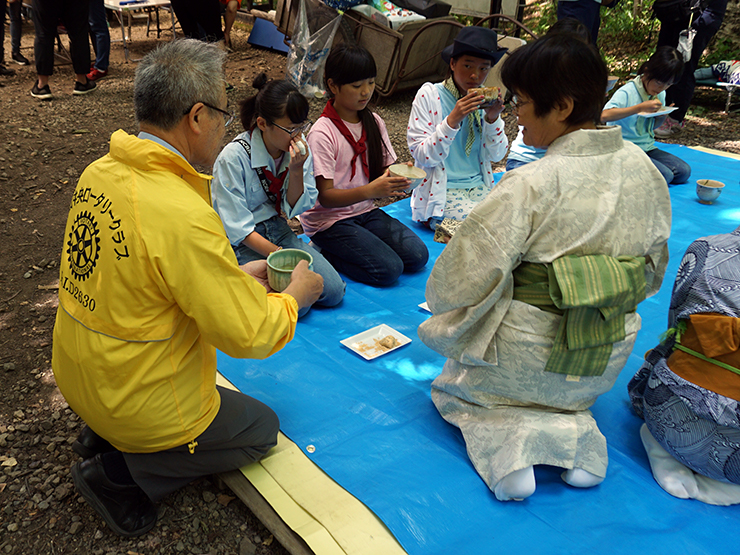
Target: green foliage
x=626, y=37
x=466, y=20
x=544, y=14
x=718, y=50
x=625, y=23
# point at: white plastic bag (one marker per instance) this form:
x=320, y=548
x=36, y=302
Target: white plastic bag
x=686, y=43
x=308, y=52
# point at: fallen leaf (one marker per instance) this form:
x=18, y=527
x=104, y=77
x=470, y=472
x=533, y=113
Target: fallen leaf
x=224, y=499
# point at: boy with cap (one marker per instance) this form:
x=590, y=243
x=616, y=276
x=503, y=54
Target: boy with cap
x=454, y=135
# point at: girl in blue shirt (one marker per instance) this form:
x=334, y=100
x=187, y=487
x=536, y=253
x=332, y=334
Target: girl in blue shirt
x=265, y=172
x=632, y=105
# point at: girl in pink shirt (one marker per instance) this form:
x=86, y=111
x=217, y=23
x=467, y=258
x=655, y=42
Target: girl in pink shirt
x=352, y=152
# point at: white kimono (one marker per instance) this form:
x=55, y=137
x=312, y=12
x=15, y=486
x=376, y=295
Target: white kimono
x=429, y=139
x=592, y=193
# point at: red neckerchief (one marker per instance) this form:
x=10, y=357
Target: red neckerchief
x=358, y=147
x=276, y=185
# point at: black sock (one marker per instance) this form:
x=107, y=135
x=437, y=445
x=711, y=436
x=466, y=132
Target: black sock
x=115, y=468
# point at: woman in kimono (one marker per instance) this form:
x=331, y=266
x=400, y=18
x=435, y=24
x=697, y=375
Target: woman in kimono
x=688, y=388
x=534, y=298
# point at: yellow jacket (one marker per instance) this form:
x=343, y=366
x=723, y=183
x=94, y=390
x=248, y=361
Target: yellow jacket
x=149, y=288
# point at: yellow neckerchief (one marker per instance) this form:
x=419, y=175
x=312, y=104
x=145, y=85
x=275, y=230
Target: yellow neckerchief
x=474, y=120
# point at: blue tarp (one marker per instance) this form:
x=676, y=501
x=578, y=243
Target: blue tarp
x=377, y=433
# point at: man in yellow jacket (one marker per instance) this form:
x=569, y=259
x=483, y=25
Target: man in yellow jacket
x=149, y=288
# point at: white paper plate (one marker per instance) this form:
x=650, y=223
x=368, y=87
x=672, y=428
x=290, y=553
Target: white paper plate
x=659, y=113
x=366, y=343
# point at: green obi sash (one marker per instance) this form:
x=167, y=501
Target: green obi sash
x=592, y=293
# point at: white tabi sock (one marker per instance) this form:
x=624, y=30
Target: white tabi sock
x=714, y=492
x=671, y=475
x=579, y=478
x=516, y=486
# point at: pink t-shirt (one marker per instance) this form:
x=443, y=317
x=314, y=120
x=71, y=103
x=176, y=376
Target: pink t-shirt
x=332, y=155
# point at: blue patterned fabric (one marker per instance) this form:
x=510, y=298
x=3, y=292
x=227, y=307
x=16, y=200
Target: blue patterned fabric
x=698, y=427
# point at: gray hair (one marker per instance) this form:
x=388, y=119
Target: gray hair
x=172, y=78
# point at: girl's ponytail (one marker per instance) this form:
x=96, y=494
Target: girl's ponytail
x=376, y=148
x=274, y=99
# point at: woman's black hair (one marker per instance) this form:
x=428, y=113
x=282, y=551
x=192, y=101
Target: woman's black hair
x=349, y=63
x=556, y=67
x=665, y=65
x=570, y=25
x=275, y=99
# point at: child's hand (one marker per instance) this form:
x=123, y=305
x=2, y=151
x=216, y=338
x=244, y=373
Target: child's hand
x=649, y=106
x=387, y=186
x=296, y=156
x=467, y=104
x=495, y=109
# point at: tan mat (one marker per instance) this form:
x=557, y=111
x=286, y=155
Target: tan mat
x=325, y=515
x=716, y=152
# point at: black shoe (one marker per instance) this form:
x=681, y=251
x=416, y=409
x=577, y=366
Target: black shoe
x=84, y=89
x=44, y=93
x=5, y=71
x=20, y=59
x=88, y=444
x=125, y=508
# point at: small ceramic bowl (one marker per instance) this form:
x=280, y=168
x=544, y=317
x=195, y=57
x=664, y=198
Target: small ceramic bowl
x=416, y=175
x=708, y=190
x=280, y=266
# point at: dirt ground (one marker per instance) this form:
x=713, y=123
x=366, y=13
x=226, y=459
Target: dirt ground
x=44, y=147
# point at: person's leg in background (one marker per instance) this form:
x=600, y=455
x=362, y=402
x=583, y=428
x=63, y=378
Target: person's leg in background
x=3, y=70
x=681, y=93
x=46, y=13
x=184, y=11
x=585, y=11
x=229, y=17
x=210, y=20
x=100, y=36
x=673, y=20
x=199, y=19
x=15, y=32
x=75, y=18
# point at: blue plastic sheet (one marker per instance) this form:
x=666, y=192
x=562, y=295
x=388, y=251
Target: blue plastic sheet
x=377, y=433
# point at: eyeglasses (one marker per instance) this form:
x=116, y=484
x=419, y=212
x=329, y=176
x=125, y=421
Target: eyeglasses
x=296, y=130
x=228, y=115
x=516, y=104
